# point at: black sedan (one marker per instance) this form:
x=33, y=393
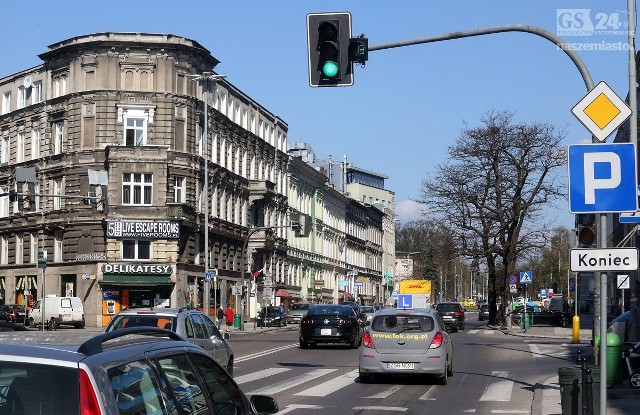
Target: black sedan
x=272, y=316
x=541, y=316
x=13, y=313
x=331, y=323
x=452, y=314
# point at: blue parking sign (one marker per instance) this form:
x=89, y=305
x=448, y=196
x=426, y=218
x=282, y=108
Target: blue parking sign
x=602, y=178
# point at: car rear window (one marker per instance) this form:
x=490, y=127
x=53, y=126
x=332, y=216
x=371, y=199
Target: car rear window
x=27, y=388
x=330, y=311
x=299, y=307
x=448, y=307
x=163, y=322
x=367, y=309
x=394, y=324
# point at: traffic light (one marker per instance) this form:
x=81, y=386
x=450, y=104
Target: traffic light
x=359, y=49
x=586, y=230
x=328, y=41
x=301, y=224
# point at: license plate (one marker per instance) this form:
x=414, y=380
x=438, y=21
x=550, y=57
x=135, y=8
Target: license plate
x=325, y=332
x=401, y=366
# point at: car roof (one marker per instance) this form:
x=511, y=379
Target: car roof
x=158, y=311
x=56, y=350
x=415, y=311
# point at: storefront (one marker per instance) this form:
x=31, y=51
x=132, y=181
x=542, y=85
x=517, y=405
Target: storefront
x=126, y=285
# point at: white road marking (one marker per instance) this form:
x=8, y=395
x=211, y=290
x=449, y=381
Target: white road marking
x=294, y=406
x=489, y=331
x=427, y=395
x=535, y=350
x=473, y=331
x=510, y=411
x=380, y=408
x=385, y=393
x=332, y=385
x=292, y=382
x=499, y=390
x=259, y=374
x=264, y=353
x=469, y=411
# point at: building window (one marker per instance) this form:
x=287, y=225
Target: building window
x=4, y=148
x=19, y=249
x=4, y=250
x=135, y=132
x=35, y=143
x=59, y=86
x=135, y=120
x=58, y=237
x=33, y=248
x=179, y=189
x=23, y=96
x=135, y=249
x=57, y=190
x=21, y=147
x=137, y=189
x=4, y=203
x=6, y=102
x=36, y=94
x=58, y=137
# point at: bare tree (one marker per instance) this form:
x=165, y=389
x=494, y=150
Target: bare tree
x=492, y=193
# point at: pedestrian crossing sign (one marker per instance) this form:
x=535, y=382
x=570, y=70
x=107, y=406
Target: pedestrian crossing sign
x=526, y=277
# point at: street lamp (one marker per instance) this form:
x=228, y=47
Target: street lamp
x=206, y=76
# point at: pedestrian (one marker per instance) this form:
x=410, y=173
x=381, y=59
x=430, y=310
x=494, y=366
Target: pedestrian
x=229, y=317
x=220, y=316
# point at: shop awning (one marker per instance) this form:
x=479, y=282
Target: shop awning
x=131, y=280
x=283, y=293
x=26, y=283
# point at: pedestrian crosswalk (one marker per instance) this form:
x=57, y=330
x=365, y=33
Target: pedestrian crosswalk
x=302, y=386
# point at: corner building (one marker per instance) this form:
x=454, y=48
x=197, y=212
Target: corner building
x=104, y=145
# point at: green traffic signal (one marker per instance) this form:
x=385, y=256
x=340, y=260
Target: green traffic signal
x=330, y=69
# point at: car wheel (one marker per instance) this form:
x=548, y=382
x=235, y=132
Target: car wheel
x=53, y=325
x=279, y=324
x=304, y=344
x=443, y=379
x=634, y=380
x=450, y=368
x=32, y=323
x=354, y=343
x=462, y=326
x=230, y=367
x=365, y=377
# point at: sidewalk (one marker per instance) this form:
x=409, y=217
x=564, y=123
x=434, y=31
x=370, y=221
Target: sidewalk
x=621, y=399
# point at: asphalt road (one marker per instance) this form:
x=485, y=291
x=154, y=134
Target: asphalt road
x=494, y=373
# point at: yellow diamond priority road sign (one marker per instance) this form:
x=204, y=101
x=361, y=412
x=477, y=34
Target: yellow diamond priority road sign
x=601, y=111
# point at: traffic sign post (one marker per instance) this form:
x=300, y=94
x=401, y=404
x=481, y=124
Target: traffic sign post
x=601, y=111
x=602, y=178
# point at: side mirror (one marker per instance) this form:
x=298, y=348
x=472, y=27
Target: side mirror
x=226, y=335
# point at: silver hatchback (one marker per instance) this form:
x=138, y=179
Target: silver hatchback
x=406, y=342
x=189, y=323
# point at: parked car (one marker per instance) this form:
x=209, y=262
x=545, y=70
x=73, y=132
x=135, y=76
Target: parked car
x=356, y=306
x=189, y=323
x=297, y=312
x=137, y=370
x=368, y=311
x=452, y=314
x=483, y=312
x=272, y=316
x=541, y=316
x=13, y=313
x=330, y=323
x=406, y=342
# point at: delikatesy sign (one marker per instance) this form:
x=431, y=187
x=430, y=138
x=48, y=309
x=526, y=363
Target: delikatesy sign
x=605, y=259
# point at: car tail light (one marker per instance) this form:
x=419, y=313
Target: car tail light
x=437, y=341
x=367, y=341
x=458, y=313
x=88, y=399
x=344, y=322
x=306, y=322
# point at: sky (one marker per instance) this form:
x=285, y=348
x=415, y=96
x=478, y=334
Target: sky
x=407, y=105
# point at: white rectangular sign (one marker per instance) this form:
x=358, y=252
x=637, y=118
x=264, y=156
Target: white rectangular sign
x=604, y=259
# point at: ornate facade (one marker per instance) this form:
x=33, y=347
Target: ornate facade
x=104, y=147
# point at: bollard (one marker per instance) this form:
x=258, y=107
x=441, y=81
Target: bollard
x=587, y=402
x=575, y=333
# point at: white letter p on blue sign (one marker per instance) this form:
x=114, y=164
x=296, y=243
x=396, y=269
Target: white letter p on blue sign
x=602, y=178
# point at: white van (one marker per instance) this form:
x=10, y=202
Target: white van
x=58, y=311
